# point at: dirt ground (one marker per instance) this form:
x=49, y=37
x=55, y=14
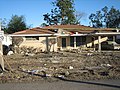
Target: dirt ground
x=70, y=65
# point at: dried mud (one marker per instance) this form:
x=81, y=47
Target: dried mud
x=58, y=65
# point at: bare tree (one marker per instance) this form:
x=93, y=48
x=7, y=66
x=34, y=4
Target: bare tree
x=51, y=41
x=79, y=15
x=16, y=41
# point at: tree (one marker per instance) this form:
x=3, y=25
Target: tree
x=78, y=16
x=16, y=41
x=17, y=23
x=63, y=13
x=43, y=25
x=105, y=15
x=113, y=18
x=51, y=42
x=96, y=19
x=106, y=18
x=3, y=24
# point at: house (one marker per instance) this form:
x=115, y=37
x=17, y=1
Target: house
x=7, y=40
x=79, y=36
x=37, y=38
x=61, y=37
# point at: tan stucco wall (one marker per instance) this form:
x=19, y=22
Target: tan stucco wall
x=41, y=43
x=59, y=42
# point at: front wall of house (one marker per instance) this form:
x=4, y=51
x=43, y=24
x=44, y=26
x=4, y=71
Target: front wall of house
x=40, y=43
x=65, y=44
x=60, y=42
x=89, y=43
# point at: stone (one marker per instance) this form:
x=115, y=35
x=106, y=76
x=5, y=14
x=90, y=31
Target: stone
x=10, y=53
x=67, y=73
x=70, y=67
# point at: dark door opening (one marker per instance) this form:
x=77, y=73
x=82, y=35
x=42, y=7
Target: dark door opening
x=63, y=42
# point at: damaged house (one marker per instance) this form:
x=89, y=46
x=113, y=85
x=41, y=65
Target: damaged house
x=39, y=38
x=62, y=37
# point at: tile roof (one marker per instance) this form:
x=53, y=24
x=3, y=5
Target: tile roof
x=67, y=28
x=36, y=30
x=75, y=27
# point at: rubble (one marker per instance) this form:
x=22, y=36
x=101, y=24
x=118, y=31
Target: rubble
x=10, y=53
x=70, y=65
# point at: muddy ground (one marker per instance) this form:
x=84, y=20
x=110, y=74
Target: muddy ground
x=70, y=65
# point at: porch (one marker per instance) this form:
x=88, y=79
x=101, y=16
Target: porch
x=93, y=41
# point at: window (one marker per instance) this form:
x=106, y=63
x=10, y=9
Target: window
x=80, y=40
x=32, y=38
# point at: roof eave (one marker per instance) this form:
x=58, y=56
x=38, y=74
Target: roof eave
x=31, y=35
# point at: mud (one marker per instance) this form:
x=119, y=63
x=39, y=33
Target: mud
x=53, y=66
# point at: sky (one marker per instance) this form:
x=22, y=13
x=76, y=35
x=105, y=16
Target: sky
x=33, y=10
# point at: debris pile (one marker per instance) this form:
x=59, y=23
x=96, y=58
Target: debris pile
x=67, y=65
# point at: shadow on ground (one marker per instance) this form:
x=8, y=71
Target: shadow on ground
x=84, y=82
x=87, y=82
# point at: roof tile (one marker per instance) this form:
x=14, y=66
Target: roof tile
x=34, y=31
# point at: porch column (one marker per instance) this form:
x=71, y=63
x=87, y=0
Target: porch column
x=74, y=42
x=47, y=44
x=99, y=44
x=114, y=38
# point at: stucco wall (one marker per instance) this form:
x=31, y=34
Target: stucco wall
x=41, y=43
